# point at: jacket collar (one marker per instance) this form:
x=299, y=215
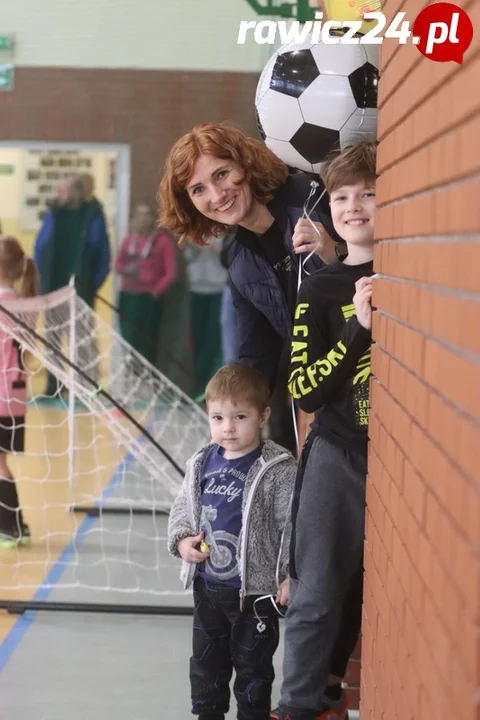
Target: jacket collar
x=278, y=208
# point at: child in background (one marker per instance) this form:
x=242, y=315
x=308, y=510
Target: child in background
x=231, y=526
x=14, y=266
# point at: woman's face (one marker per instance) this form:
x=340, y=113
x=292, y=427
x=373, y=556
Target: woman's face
x=213, y=190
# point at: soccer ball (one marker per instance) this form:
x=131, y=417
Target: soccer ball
x=311, y=99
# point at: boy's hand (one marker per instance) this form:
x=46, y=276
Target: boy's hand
x=283, y=592
x=305, y=239
x=188, y=549
x=363, y=302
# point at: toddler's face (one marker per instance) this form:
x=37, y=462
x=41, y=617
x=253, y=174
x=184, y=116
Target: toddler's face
x=237, y=428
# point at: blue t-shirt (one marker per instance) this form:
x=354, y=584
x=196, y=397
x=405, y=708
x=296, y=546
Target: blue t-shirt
x=222, y=488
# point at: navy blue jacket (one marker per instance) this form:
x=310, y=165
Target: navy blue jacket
x=264, y=320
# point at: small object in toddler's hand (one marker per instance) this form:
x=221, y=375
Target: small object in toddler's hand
x=204, y=547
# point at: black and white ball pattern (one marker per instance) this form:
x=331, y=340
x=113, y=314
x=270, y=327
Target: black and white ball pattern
x=311, y=99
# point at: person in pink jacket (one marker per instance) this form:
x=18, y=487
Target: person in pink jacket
x=15, y=266
x=146, y=264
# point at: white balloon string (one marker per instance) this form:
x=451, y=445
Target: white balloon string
x=306, y=214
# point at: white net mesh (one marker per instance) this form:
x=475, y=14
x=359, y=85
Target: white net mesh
x=115, y=446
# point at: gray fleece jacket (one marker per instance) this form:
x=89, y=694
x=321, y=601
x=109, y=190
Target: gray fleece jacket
x=264, y=542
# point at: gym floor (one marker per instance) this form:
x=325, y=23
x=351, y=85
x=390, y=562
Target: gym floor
x=81, y=665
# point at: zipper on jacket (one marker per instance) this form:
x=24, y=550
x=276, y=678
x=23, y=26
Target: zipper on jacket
x=277, y=569
x=285, y=300
x=248, y=507
x=189, y=492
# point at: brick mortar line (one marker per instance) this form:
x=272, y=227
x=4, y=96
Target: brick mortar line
x=448, y=401
x=453, y=126
x=433, y=89
x=474, y=551
x=458, y=351
x=437, y=239
x=430, y=192
x=469, y=480
x=439, y=289
x=439, y=556
x=416, y=147
x=426, y=587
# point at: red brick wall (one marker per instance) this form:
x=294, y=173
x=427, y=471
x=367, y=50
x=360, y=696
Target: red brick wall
x=420, y=641
x=148, y=109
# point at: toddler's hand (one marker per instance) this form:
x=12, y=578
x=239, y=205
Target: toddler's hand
x=188, y=549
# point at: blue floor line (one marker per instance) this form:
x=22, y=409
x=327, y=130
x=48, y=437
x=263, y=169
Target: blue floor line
x=14, y=637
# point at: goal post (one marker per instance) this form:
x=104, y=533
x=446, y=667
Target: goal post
x=102, y=463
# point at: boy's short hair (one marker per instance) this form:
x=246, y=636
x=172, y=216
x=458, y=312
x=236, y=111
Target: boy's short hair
x=239, y=383
x=357, y=163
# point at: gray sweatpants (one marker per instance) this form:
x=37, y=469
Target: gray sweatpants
x=326, y=569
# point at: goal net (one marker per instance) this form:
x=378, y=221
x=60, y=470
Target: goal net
x=104, y=458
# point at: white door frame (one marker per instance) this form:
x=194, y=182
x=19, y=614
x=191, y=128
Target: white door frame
x=123, y=168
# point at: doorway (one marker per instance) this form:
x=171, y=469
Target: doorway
x=30, y=172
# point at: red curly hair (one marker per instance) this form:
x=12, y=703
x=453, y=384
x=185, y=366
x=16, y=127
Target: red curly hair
x=264, y=172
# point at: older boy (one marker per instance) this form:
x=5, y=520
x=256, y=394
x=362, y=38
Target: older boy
x=329, y=375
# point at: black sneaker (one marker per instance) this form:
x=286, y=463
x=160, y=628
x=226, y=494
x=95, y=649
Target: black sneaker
x=11, y=538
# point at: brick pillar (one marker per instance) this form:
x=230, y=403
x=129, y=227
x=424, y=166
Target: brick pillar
x=420, y=641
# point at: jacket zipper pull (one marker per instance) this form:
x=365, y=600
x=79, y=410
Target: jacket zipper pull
x=242, y=601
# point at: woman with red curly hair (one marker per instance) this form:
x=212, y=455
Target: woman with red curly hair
x=216, y=177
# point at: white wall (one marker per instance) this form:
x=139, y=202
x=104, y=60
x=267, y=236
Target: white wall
x=17, y=220
x=11, y=185
x=155, y=34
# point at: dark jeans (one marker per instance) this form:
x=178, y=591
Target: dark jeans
x=326, y=571
x=227, y=639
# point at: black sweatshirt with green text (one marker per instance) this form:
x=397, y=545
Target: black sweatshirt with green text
x=330, y=356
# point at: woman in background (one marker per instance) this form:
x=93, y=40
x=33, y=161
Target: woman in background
x=146, y=264
x=207, y=278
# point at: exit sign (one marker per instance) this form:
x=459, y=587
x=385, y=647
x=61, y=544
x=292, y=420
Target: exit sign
x=6, y=42
x=6, y=77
